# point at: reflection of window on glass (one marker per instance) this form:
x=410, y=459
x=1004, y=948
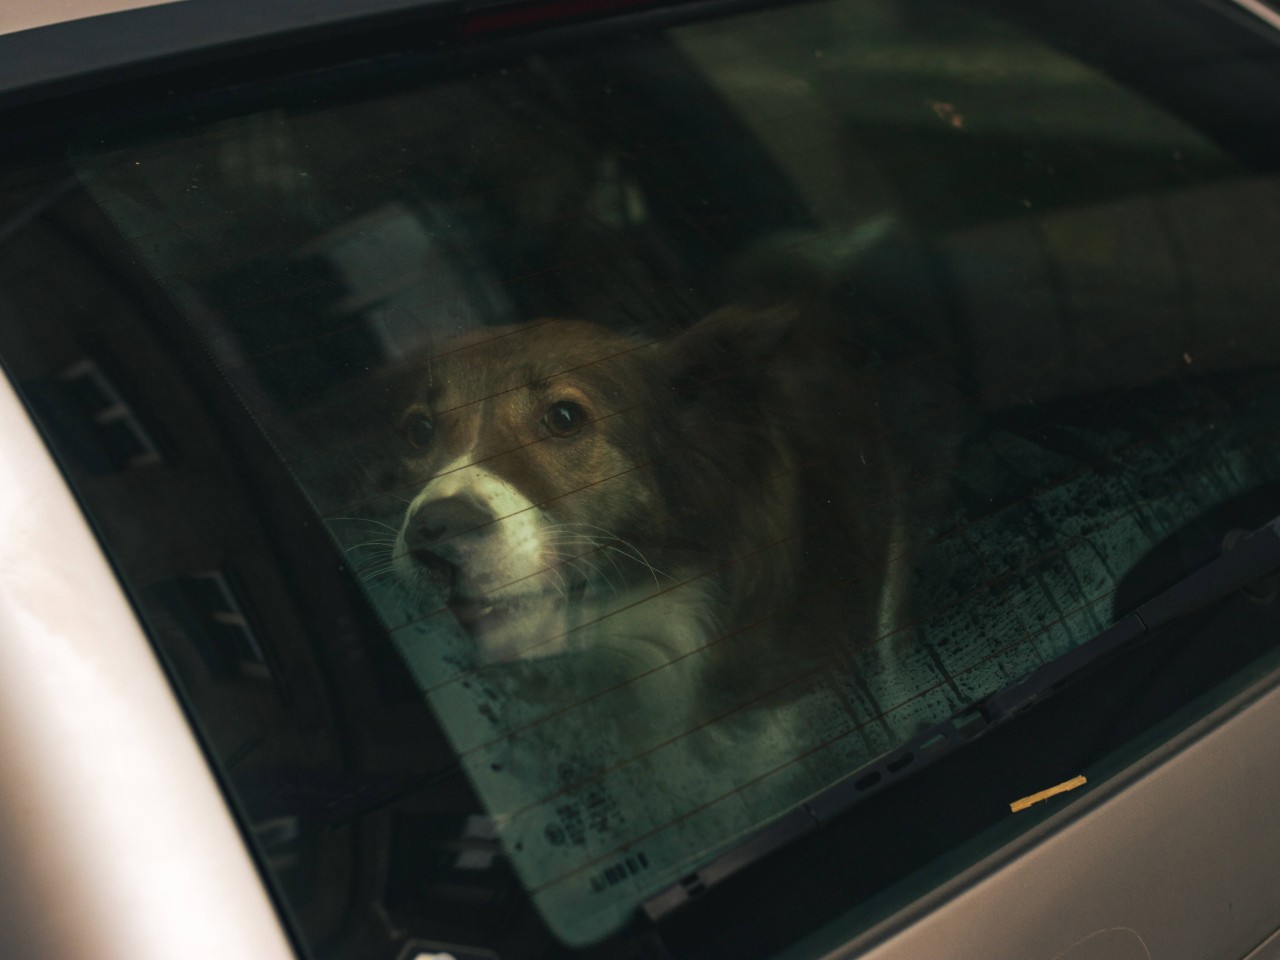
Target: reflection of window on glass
x=207, y=607
x=103, y=430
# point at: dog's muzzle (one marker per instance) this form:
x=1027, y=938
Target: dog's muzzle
x=439, y=534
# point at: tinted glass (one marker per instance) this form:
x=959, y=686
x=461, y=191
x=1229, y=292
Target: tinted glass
x=680, y=421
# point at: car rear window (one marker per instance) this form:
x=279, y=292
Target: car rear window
x=638, y=435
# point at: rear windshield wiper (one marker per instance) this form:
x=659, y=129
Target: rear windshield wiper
x=1247, y=561
x=1244, y=562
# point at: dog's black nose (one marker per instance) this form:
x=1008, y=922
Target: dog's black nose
x=440, y=520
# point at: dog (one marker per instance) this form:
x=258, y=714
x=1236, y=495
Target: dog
x=723, y=499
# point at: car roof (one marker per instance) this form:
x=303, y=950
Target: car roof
x=76, y=45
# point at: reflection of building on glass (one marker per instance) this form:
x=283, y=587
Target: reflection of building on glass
x=102, y=429
x=280, y=839
x=316, y=734
x=214, y=616
x=406, y=276
x=122, y=436
x=478, y=844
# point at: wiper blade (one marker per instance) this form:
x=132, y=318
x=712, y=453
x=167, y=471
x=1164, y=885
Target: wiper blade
x=1247, y=561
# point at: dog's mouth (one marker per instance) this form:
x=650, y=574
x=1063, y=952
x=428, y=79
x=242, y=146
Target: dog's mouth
x=443, y=574
x=479, y=613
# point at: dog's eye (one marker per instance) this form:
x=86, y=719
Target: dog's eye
x=419, y=432
x=565, y=418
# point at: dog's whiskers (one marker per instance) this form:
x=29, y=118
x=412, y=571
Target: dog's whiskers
x=561, y=586
x=561, y=560
x=596, y=547
x=375, y=574
x=639, y=558
x=382, y=545
x=577, y=542
x=610, y=543
x=376, y=523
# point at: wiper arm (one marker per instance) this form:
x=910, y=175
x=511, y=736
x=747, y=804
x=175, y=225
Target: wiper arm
x=1245, y=562
x=1253, y=558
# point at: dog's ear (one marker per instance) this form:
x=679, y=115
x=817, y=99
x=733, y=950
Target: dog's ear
x=727, y=356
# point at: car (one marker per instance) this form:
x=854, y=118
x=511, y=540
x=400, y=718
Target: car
x=674, y=480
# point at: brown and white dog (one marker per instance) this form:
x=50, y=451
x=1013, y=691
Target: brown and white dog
x=725, y=493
